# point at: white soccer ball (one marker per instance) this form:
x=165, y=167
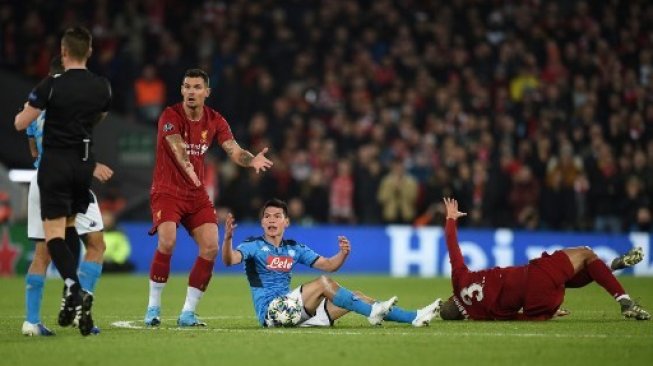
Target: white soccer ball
x=284, y=312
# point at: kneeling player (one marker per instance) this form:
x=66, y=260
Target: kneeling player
x=269, y=260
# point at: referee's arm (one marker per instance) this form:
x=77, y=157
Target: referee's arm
x=26, y=116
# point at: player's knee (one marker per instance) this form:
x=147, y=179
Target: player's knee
x=589, y=255
x=95, y=243
x=209, y=251
x=166, y=244
x=327, y=282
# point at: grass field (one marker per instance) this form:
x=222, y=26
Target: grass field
x=594, y=334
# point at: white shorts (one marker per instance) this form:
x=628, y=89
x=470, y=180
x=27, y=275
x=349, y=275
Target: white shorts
x=86, y=223
x=321, y=317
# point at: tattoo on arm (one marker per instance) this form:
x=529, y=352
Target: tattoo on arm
x=245, y=158
x=178, y=147
x=237, y=154
x=229, y=147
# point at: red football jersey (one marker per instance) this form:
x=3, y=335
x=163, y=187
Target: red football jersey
x=491, y=294
x=198, y=135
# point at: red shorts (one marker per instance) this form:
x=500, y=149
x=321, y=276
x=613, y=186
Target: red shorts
x=191, y=213
x=545, y=284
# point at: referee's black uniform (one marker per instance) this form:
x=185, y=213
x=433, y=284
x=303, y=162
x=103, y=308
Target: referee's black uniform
x=73, y=102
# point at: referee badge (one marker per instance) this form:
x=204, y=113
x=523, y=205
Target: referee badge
x=168, y=127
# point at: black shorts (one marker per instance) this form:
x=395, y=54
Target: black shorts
x=64, y=182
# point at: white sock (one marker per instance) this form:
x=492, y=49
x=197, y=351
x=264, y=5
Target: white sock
x=624, y=296
x=193, y=296
x=156, y=288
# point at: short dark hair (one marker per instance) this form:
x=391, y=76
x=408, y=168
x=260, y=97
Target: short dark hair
x=198, y=73
x=275, y=202
x=77, y=40
x=56, y=67
x=449, y=311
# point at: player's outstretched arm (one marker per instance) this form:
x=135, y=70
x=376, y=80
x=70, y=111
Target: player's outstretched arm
x=451, y=235
x=334, y=263
x=229, y=255
x=178, y=148
x=245, y=158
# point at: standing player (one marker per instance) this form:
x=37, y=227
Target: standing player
x=75, y=102
x=89, y=226
x=186, y=131
x=269, y=260
x=531, y=292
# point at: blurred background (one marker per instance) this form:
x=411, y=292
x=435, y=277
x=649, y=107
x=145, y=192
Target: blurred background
x=535, y=115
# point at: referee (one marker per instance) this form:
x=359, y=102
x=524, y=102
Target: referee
x=75, y=102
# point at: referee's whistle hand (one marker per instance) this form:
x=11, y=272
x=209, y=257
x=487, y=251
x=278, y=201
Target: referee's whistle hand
x=102, y=172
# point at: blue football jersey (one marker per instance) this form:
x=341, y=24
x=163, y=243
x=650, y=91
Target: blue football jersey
x=35, y=130
x=269, y=268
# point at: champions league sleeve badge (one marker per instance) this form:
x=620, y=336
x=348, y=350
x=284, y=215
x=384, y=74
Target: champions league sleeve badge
x=168, y=127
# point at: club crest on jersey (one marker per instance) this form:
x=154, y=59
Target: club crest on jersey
x=168, y=127
x=204, y=135
x=279, y=264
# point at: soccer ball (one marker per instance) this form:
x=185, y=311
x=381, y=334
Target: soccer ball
x=284, y=312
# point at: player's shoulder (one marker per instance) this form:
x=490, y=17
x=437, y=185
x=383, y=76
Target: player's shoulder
x=173, y=111
x=213, y=115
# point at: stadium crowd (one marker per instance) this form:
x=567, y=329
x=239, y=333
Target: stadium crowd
x=533, y=114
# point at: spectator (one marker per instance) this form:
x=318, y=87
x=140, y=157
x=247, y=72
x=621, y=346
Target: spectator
x=150, y=95
x=398, y=195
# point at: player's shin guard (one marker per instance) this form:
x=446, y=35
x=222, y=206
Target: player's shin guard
x=200, y=276
x=400, y=315
x=33, y=297
x=201, y=273
x=89, y=273
x=600, y=272
x=347, y=300
x=159, y=272
x=73, y=243
x=160, y=269
x=65, y=263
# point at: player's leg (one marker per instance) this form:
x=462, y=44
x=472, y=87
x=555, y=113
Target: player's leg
x=313, y=292
x=206, y=237
x=35, y=278
x=165, y=215
x=583, y=258
x=626, y=260
x=34, y=281
x=417, y=318
x=160, y=270
x=89, y=226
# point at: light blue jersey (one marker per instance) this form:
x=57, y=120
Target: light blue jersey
x=269, y=268
x=35, y=130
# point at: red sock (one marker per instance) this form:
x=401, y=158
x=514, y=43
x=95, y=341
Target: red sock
x=604, y=277
x=201, y=273
x=160, y=269
x=580, y=279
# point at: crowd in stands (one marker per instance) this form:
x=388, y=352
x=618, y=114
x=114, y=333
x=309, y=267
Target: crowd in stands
x=533, y=114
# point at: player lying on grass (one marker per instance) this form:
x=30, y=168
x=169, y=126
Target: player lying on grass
x=270, y=259
x=530, y=292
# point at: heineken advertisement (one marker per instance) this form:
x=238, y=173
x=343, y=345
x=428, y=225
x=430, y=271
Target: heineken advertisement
x=16, y=250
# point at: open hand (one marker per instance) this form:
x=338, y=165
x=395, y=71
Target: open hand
x=229, y=226
x=345, y=246
x=260, y=162
x=451, y=206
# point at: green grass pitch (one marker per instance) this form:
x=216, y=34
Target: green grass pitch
x=594, y=334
